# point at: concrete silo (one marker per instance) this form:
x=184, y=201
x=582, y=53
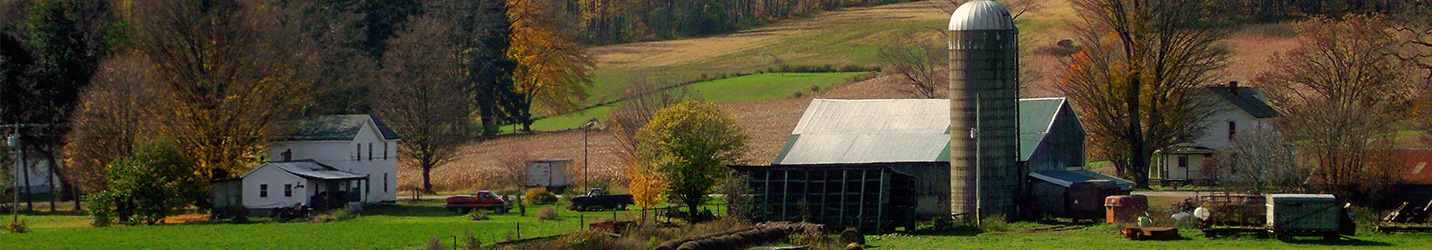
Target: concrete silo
x=984, y=115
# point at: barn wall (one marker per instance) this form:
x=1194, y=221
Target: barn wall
x=931, y=186
x=1062, y=148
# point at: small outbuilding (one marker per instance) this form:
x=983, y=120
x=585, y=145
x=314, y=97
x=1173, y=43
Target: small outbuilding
x=285, y=184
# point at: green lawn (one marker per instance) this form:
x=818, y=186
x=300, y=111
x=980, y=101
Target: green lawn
x=391, y=227
x=1103, y=237
x=734, y=89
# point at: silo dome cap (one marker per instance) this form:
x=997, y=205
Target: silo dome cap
x=981, y=15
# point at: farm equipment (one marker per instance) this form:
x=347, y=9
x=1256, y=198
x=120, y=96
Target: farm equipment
x=1292, y=215
x=1406, y=218
x=1228, y=214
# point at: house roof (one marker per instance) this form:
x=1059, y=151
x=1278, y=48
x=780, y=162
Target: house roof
x=895, y=130
x=1245, y=98
x=1412, y=166
x=1066, y=178
x=312, y=170
x=336, y=128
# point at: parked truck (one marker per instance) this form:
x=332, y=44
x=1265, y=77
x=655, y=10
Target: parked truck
x=599, y=199
x=484, y=199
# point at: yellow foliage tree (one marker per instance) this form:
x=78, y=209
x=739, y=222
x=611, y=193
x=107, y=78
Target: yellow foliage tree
x=553, y=72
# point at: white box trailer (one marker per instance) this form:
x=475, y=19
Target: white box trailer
x=549, y=173
x=1292, y=215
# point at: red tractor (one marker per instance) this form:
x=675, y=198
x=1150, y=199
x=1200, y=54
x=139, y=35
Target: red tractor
x=484, y=199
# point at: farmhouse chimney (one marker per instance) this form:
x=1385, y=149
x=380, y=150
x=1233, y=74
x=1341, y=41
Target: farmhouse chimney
x=984, y=119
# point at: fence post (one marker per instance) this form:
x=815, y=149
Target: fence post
x=519, y=231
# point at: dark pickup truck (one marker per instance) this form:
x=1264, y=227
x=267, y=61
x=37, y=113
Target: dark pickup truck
x=483, y=200
x=599, y=199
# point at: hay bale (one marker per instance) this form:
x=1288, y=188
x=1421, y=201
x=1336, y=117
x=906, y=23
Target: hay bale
x=852, y=236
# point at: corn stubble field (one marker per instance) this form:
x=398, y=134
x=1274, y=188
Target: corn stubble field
x=839, y=38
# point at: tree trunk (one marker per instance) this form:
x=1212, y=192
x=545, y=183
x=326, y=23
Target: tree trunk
x=1138, y=164
x=691, y=206
x=427, y=180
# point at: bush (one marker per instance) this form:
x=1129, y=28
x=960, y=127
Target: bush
x=434, y=244
x=477, y=215
x=547, y=213
x=145, y=187
x=470, y=242
x=17, y=227
x=994, y=223
x=539, y=196
x=335, y=215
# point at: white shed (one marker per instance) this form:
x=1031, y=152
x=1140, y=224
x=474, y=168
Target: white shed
x=284, y=184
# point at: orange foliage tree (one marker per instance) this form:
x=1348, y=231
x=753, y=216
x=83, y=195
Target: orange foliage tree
x=553, y=72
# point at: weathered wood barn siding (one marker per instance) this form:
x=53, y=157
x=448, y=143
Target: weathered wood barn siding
x=870, y=197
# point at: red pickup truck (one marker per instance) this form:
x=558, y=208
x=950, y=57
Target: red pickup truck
x=484, y=199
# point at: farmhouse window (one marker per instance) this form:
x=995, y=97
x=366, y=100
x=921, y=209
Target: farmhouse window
x=1232, y=130
x=370, y=151
x=1183, y=161
x=385, y=150
x=385, y=182
x=358, y=152
x=263, y=190
x=287, y=190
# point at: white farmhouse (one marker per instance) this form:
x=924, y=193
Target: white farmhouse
x=325, y=161
x=1237, y=110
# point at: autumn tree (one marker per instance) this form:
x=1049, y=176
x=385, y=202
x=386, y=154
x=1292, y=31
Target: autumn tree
x=1259, y=162
x=553, y=72
x=690, y=145
x=421, y=75
x=1340, y=93
x=230, y=70
x=116, y=112
x=1412, y=31
x=1137, y=76
x=642, y=99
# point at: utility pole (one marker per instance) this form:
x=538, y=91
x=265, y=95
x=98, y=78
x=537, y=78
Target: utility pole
x=14, y=142
x=979, y=172
x=585, y=165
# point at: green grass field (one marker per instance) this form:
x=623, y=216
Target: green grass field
x=388, y=227
x=1103, y=236
x=725, y=90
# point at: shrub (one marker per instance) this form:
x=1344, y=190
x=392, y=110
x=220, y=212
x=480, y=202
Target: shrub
x=470, y=242
x=17, y=227
x=547, y=213
x=335, y=215
x=434, y=244
x=815, y=240
x=994, y=223
x=477, y=215
x=539, y=196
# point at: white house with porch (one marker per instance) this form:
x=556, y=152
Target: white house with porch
x=324, y=162
x=1237, y=110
